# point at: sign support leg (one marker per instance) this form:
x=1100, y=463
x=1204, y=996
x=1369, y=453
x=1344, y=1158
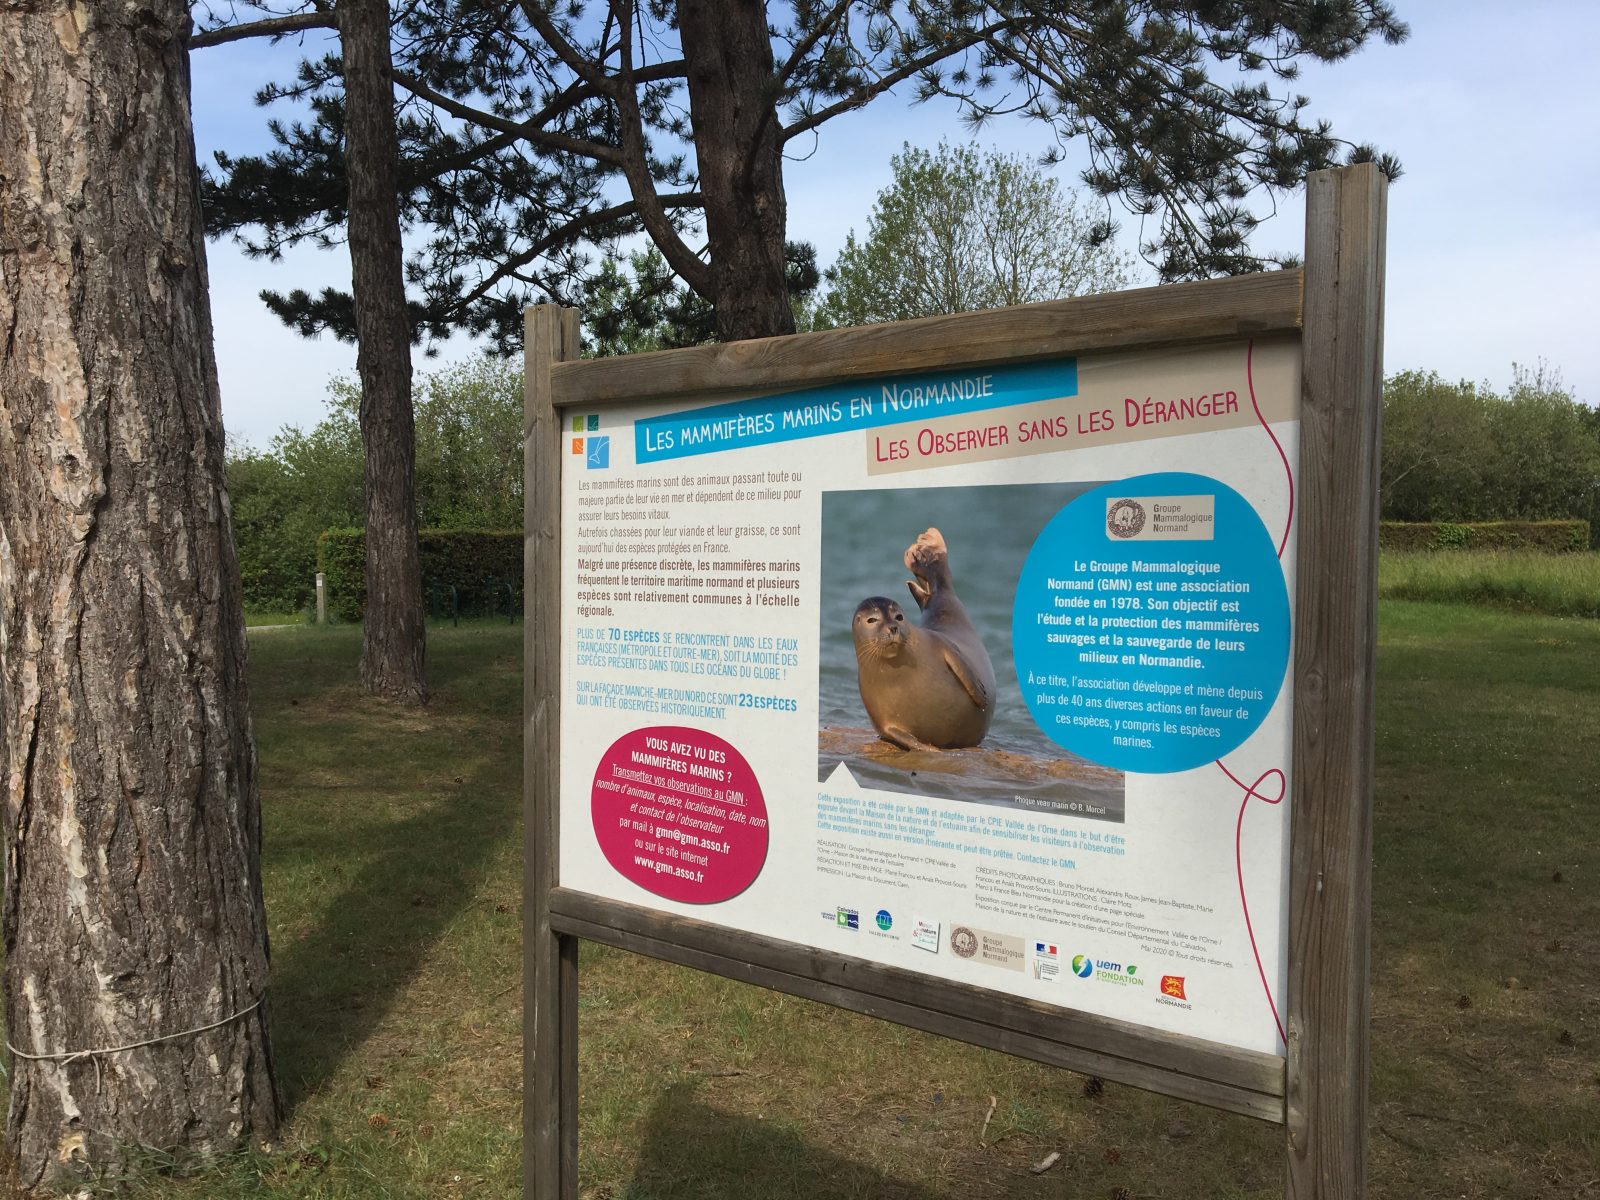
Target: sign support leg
x=1330, y=884
x=550, y=959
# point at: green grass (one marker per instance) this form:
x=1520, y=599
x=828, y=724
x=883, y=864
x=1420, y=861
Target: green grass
x=393, y=886
x=267, y=616
x=1563, y=585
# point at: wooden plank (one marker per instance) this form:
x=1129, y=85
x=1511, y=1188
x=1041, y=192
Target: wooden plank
x=1335, y=639
x=1244, y=306
x=1189, y=1068
x=550, y=958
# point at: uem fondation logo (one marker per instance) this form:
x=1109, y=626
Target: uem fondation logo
x=1082, y=966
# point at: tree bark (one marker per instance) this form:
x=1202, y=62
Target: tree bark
x=130, y=813
x=393, y=640
x=728, y=52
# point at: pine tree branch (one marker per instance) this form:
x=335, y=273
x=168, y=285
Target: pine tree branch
x=566, y=232
x=580, y=66
x=635, y=165
x=521, y=130
x=883, y=83
x=266, y=27
x=804, y=46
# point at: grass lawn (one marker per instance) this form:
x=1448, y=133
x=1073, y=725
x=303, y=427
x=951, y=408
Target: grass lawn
x=393, y=886
x=1561, y=585
x=257, y=617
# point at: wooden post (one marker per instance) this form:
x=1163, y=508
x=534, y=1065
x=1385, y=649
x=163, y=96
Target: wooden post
x=1330, y=886
x=322, y=598
x=550, y=959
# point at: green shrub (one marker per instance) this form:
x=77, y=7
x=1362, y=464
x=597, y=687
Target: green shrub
x=478, y=563
x=1549, y=537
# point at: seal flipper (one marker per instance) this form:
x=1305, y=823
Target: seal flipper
x=929, y=560
x=902, y=738
x=976, y=692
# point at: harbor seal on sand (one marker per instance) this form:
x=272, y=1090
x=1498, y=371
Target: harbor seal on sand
x=927, y=687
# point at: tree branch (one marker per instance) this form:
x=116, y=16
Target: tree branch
x=564, y=233
x=526, y=130
x=635, y=168
x=580, y=66
x=805, y=44
x=883, y=83
x=267, y=27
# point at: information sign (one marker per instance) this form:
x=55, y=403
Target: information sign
x=1006, y=675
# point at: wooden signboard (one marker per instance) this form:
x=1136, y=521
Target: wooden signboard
x=1005, y=675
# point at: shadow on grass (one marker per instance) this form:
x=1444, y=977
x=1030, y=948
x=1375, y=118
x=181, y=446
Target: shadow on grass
x=334, y=984
x=382, y=825
x=692, y=1151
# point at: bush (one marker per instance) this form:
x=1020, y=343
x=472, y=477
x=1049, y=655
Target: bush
x=478, y=563
x=1549, y=537
x=469, y=476
x=1460, y=452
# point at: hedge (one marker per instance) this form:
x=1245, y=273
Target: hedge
x=478, y=563
x=1552, y=537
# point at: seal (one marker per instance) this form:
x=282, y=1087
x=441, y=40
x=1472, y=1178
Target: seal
x=928, y=686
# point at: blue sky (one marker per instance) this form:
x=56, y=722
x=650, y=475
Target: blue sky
x=1493, y=240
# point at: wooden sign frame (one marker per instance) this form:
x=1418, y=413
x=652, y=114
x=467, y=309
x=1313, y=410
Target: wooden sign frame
x=1318, y=1090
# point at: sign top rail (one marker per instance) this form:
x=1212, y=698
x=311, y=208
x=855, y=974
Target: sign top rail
x=1208, y=310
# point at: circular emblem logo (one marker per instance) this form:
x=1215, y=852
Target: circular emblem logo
x=963, y=941
x=885, y=920
x=1125, y=518
x=1082, y=966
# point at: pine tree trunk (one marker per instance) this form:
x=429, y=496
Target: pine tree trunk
x=394, y=636
x=130, y=812
x=728, y=53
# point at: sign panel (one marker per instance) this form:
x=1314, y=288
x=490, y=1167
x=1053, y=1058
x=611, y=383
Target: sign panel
x=979, y=673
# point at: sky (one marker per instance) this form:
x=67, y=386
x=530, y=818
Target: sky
x=1493, y=233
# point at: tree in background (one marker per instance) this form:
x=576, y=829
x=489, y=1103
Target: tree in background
x=1546, y=463
x=283, y=498
x=689, y=110
x=136, y=965
x=363, y=139
x=958, y=230
x=1459, y=452
x=468, y=473
x=1435, y=444
x=393, y=636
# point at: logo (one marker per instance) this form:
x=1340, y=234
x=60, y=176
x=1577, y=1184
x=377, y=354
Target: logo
x=884, y=919
x=599, y=453
x=1082, y=966
x=1172, y=985
x=925, y=935
x=963, y=941
x=1125, y=518
x=848, y=918
x=594, y=422
x=577, y=445
x=1046, y=964
x=1117, y=973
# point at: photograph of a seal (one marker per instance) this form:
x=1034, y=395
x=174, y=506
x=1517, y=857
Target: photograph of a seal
x=928, y=686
